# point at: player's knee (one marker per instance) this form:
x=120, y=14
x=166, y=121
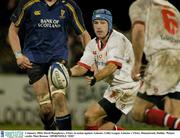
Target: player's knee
x=137, y=115
x=175, y=112
x=45, y=103
x=58, y=99
x=60, y=104
x=46, y=108
x=58, y=94
x=90, y=116
x=173, y=104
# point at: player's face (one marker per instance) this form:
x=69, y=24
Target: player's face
x=100, y=28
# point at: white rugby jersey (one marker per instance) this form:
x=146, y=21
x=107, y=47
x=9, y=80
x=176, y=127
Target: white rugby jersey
x=118, y=50
x=162, y=22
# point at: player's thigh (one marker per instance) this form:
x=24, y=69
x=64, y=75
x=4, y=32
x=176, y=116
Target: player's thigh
x=38, y=79
x=175, y=109
x=43, y=96
x=168, y=105
x=139, y=107
x=174, y=103
x=39, y=82
x=41, y=86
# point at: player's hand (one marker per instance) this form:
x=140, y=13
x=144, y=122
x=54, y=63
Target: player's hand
x=91, y=80
x=135, y=73
x=23, y=62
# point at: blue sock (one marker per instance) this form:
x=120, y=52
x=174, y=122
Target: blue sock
x=64, y=122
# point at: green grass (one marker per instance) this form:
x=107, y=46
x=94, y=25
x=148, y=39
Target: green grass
x=142, y=127
x=39, y=127
x=19, y=127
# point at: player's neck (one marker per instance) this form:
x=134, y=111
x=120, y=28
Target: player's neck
x=104, y=39
x=50, y=2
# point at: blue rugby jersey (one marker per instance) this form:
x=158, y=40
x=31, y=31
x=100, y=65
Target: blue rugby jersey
x=45, y=28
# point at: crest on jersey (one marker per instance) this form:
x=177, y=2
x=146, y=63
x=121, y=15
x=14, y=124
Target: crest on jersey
x=37, y=13
x=62, y=13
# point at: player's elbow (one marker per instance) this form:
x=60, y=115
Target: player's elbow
x=13, y=30
x=138, y=30
x=85, y=38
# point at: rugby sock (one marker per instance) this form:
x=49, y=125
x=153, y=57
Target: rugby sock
x=48, y=122
x=118, y=128
x=160, y=118
x=91, y=127
x=64, y=122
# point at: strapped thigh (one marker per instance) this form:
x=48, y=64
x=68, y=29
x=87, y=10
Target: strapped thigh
x=44, y=99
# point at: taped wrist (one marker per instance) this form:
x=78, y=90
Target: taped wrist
x=18, y=54
x=89, y=73
x=93, y=81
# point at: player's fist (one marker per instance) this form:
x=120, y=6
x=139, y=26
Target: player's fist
x=135, y=73
x=91, y=80
x=23, y=62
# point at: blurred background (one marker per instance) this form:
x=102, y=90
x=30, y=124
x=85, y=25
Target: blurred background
x=17, y=102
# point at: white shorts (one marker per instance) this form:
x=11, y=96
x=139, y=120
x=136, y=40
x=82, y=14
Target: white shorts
x=124, y=99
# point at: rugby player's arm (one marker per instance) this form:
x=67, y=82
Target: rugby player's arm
x=138, y=42
x=14, y=38
x=85, y=38
x=109, y=69
x=78, y=70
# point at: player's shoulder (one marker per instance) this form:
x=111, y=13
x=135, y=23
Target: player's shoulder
x=164, y=4
x=116, y=35
x=139, y=5
x=91, y=44
x=138, y=11
x=23, y=2
x=119, y=38
x=71, y=5
x=71, y=2
x=134, y=5
x=27, y=3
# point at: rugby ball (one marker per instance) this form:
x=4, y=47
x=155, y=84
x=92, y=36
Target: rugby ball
x=58, y=75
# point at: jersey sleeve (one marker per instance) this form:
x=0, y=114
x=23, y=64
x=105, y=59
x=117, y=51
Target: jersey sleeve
x=76, y=18
x=137, y=11
x=19, y=14
x=87, y=60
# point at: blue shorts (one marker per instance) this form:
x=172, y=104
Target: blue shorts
x=38, y=70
